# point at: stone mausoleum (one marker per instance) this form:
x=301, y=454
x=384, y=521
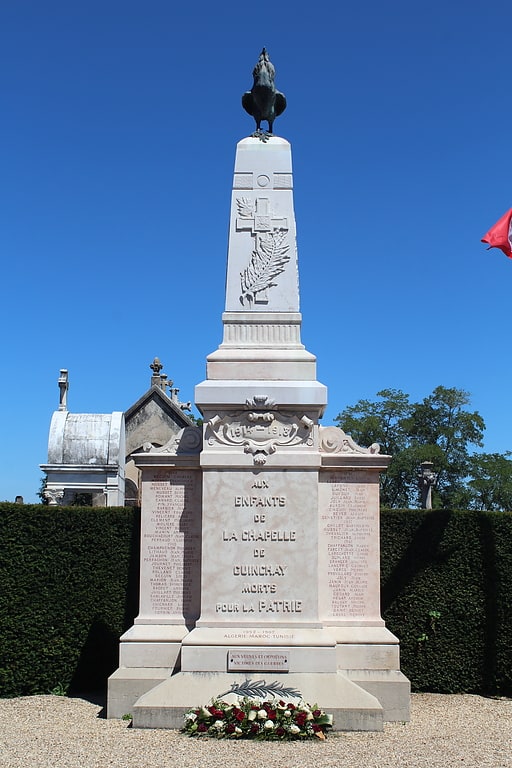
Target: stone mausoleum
x=90, y=454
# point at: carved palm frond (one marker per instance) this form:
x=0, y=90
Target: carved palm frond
x=260, y=689
x=245, y=207
x=267, y=262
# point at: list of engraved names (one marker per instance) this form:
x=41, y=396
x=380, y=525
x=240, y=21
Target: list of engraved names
x=348, y=539
x=171, y=545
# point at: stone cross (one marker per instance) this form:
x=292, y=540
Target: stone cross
x=261, y=220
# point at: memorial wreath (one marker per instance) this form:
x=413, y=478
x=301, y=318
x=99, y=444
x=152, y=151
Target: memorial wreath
x=274, y=720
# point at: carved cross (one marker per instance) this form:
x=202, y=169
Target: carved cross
x=256, y=217
x=261, y=219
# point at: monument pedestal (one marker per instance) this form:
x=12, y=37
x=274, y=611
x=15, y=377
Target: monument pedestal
x=352, y=707
x=260, y=534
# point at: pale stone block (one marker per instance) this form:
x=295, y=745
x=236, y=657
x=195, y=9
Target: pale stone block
x=126, y=686
x=390, y=687
x=300, y=659
x=353, y=708
x=304, y=394
x=267, y=635
x=263, y=222
x=149, y=655
x=170, y=546
x=259, y=530
x=367, y=657
x=349, y=574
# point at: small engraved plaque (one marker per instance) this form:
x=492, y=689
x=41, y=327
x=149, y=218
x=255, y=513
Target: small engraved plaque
x=265, y=660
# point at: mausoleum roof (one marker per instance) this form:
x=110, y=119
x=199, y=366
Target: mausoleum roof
x=86, y=438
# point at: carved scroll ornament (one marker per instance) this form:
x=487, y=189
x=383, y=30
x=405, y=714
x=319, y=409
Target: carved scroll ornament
x=334, y=440
x=260, y=431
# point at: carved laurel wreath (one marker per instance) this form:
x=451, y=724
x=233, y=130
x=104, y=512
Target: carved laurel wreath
x=268, y=260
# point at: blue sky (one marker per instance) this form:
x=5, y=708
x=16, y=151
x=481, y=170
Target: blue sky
x=117, y=141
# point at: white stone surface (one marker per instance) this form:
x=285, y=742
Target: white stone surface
x=290, y=510
x=259, y=538
x=354, y=709
x=262, y=238
x=349, y=557
x=170, y=546
x=301, y=659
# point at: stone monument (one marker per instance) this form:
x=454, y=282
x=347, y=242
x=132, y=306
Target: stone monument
x=260, y=532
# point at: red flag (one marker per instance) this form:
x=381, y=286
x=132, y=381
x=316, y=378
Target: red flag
x=500, y=236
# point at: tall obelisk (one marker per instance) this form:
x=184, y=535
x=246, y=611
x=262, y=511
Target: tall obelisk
x=261, y=353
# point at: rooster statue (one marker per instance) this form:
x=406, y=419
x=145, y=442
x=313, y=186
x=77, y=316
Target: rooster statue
x=263, y=101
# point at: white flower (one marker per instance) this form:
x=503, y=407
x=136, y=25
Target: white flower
x=269, y=725
x=294, y=728
x=288, y=713
x=252, y=715
x=190, y=716
x=310, y=716
x=219, y=725
x=205, y=712
x=262, y=714
x=238, y=730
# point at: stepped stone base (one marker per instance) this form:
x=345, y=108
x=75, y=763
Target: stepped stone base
x=353, y=708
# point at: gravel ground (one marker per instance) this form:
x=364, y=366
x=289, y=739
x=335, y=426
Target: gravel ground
x=445, y=730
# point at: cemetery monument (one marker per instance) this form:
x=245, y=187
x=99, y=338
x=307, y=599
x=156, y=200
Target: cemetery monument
x=260, y=530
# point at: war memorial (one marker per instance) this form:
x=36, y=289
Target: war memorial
x=259, y=562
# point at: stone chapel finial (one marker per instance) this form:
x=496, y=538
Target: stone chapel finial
x=264, y=101
x=63, y=387
x=159, y=379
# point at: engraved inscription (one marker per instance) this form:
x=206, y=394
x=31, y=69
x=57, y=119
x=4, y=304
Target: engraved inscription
x=349, y=546
x=258, y=563
x=171, y=546
x=257, y=660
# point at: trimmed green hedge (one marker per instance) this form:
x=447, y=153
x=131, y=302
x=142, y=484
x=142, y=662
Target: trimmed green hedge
x=447, y=594
x=69, y=588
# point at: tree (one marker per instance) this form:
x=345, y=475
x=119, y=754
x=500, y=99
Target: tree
x=438, y=429
x=490, y=486
x=383, y=422
x=445, y=430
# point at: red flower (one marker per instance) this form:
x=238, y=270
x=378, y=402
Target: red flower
x=211, y=709
x=282, y=704
x=316, y=727
x=255, y=728
x=280, y=731
x=240, y=715
x=272, y=714
x=202, y=727
x=300, y=718
x=317, y=712
x=292, y=707
x=230, y=728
